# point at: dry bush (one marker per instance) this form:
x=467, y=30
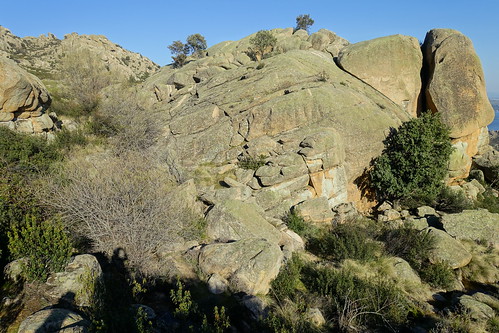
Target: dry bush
x=133, y=127
x=84, y=75
x=124, y=202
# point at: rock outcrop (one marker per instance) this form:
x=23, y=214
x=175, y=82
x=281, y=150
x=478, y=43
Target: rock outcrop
x=456, y=89
x=316, y=135
x=23, y=100
x=41, y=55
x=389, y=64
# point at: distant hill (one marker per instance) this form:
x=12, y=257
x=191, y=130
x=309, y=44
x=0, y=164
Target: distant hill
x=41, y=55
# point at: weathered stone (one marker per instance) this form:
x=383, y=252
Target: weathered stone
x=489, y=164
x=198, y=119
x=477, y=310
x=391, y=215
x=459, y=161
x=217, y=284
x=390, y=64
x=315, y=210
x=448, y=249
x=6, y=116
x=474, y=225
x=231, y=182
x=55, y=320
x=384, y=206
x=19, y=90
x=42, y=123
x=249, y=264
x=402, y=271
x=73, y=283
x=424, y=211
x=314, y=315
x=456, y=87
x=234, y=220
x=472, y=189
x=327, y=145
x=244, y=176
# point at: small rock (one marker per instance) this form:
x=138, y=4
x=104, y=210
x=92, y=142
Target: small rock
x=424, y=211
x=478, y=175
x=391, y=214
x=384, y=206
x=256, y=306
x=314, y=315
x=217, y=284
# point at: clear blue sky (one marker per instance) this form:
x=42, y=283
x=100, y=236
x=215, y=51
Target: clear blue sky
x=149, y=26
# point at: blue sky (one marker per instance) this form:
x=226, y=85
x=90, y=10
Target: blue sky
x=149, y=26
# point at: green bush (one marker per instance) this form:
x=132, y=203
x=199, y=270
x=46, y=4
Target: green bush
x=357, y=302
x=296, y=223
x=251, y=163
x=66, y=140
x=438, y=275
x=288, y=280
x=262, y=43
x=413, y=164
x=410, y=244
x=45, y=246
x=451, y=201
x=488, y=201
x=22, y=159
x=25, y=154
x=345, y=241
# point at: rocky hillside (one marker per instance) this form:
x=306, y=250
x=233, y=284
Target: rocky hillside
x=317, y=109
x=41, y=55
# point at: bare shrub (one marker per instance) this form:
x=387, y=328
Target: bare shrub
x=125, y=202
x=133, y=127
x=84, y=74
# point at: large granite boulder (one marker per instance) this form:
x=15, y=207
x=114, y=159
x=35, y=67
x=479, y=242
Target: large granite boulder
x=390, y=64
x=55, y=320
x=477, y=225
x=234, y=220
x=447, y=249
x=249, y=265
x=23, y=99
x=456, y=85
